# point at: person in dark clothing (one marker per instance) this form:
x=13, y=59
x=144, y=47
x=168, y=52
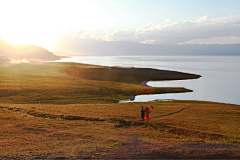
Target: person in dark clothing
x=143, y=111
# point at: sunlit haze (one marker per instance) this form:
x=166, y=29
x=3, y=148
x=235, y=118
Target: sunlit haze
x=48, y=23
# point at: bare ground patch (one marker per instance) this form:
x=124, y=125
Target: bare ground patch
x=138, y=149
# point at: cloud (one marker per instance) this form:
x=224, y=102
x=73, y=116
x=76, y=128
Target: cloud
x=202, y=19
x=175, y=33
x=77, y=45
x=169, y=32
x=156, y=38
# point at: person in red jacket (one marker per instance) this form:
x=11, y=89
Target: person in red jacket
x=148, y=110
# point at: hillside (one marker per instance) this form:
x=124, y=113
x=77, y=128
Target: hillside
x=9, y=52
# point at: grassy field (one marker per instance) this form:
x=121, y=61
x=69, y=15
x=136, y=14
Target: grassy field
x=33, y=128
x=65, y=83
x=65, y=107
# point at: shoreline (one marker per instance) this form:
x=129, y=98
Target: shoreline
x=203, y=90
x=89, y=83
x=144, y=83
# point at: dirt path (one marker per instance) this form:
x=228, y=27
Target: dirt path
x=138, y=149
x=172, y=112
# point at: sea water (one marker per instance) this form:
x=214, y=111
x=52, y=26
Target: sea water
x=220, y=81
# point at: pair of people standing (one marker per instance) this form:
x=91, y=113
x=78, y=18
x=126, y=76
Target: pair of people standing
x=146, y=112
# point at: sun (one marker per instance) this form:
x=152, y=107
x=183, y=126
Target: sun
x=14, y=40
x=24, y=37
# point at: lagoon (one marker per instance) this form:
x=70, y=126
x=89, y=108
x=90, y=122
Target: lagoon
x=220, y=81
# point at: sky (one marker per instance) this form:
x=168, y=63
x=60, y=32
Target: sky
x=50, y=23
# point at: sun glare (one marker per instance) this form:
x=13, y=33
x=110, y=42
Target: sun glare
x=40, y=22
x=14, y=40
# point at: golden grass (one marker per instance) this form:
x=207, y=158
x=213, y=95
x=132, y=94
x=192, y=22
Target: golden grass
x=58, y=107
x=28, y=129
x=169, y=121
x=24, y=134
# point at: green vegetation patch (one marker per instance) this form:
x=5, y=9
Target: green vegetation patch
x=69, y=83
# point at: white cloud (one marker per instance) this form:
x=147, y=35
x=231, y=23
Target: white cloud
x=174, y=33
x=148, y=42
x=201, y=19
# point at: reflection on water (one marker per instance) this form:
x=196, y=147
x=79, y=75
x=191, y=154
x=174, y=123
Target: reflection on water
x=220, y=79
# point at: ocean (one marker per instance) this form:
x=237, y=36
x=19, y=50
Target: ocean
x=220, y=81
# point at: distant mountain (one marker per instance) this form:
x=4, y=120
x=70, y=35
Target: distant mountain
x=28, y=52
x=93, y=47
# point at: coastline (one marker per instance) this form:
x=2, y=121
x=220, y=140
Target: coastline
x=208, y=88
x=144, y=83
x=165, y=90
x=211, y=87
x=81, y=83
